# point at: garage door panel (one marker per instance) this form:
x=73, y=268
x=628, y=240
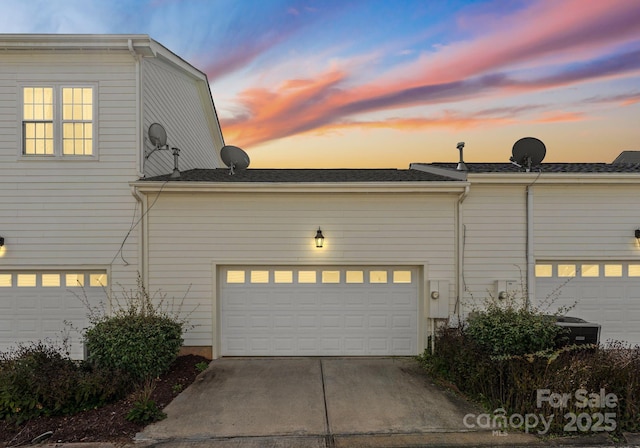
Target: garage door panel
x=35, y=305
x=314, y=315
x=354, y=344
x=610, y=298
x=354, y=322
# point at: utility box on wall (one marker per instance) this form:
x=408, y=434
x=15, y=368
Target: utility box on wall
x=438, y=299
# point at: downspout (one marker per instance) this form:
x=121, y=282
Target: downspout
x=460, y=241
x=139, y=143
x=531, y=284
x=143, y=250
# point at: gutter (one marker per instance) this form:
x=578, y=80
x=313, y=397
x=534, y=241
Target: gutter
x=295, y=187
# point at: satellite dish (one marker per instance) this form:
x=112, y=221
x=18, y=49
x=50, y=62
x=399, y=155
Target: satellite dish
x=527, y=152
x=157, y=135
x=234, y=158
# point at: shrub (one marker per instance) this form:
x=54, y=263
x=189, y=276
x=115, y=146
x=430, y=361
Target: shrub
x=38, y=379
x=145, y=410
x=512, y=331
x=142, y=346
x=511, y=327
x=139, y=338
x=511, y=382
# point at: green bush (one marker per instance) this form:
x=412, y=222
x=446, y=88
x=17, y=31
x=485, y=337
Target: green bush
x=39, y=380
x=513, y=329
x=140, y=337
x=141, y=346
x=144, y=409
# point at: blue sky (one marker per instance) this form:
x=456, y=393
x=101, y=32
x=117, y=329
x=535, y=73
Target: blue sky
x=305, y=83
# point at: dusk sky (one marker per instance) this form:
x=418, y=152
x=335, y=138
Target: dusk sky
x=310, y=83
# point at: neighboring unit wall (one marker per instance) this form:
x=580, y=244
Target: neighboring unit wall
x=494, y=240
x=64, y=212
x=580, y=221
x=190, y=233
x=175, y=99
x=592, y=222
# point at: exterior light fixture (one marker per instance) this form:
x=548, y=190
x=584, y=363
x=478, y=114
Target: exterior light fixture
x=319, y=238
x=638, y=234
x=1, y=241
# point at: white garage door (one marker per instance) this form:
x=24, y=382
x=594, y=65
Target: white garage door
x=607, y=293
x=318, y=311
x=35, y=305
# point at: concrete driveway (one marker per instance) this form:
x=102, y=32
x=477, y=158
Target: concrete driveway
x=317, y=402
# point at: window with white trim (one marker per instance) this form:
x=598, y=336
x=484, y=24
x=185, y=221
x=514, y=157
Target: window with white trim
x=58, y=121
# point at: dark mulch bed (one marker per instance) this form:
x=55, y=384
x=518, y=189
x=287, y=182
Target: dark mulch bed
x=106, y=424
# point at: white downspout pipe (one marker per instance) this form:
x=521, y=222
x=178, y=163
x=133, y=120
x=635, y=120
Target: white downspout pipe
x=139, y=143
x=143, y=250
x=531, y=277
x=460, y=251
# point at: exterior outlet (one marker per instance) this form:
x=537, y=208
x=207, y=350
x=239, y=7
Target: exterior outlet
x=505, y=288
x=438, y=299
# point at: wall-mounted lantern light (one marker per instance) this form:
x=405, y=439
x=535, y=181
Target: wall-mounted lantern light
x=1, y=241
x=319, y=238
x=638, y=234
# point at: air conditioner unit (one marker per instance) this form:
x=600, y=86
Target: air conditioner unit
x=580, y=331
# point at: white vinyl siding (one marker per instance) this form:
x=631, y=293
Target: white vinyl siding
x=586, y=221
x=494, y=239
x=174, y=100
x=70, y=212
x=188, y=234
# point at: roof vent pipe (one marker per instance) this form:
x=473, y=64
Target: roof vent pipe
x=176, y=171
x=461, y=165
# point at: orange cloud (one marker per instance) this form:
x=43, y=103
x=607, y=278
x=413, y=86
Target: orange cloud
x=561, y=117
x=458, y=72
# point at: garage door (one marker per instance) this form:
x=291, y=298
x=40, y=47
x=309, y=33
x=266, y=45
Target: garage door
x=318, y=311
x=35, y=305
x=607, y=293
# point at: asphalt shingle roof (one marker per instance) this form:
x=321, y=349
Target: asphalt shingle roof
x=303, y=175
x=545, y=167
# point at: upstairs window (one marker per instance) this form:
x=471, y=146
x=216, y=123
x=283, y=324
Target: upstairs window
x=38, y=121
x=58, y=121
x=77, y=121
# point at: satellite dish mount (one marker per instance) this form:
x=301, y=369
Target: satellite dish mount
x=235, y=158
x=158, y=137
x=527, y=153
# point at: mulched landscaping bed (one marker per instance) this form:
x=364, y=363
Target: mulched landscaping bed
x=106, y=424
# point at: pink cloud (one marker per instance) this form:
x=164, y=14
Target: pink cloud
x=573, y=29
x=560, y=117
